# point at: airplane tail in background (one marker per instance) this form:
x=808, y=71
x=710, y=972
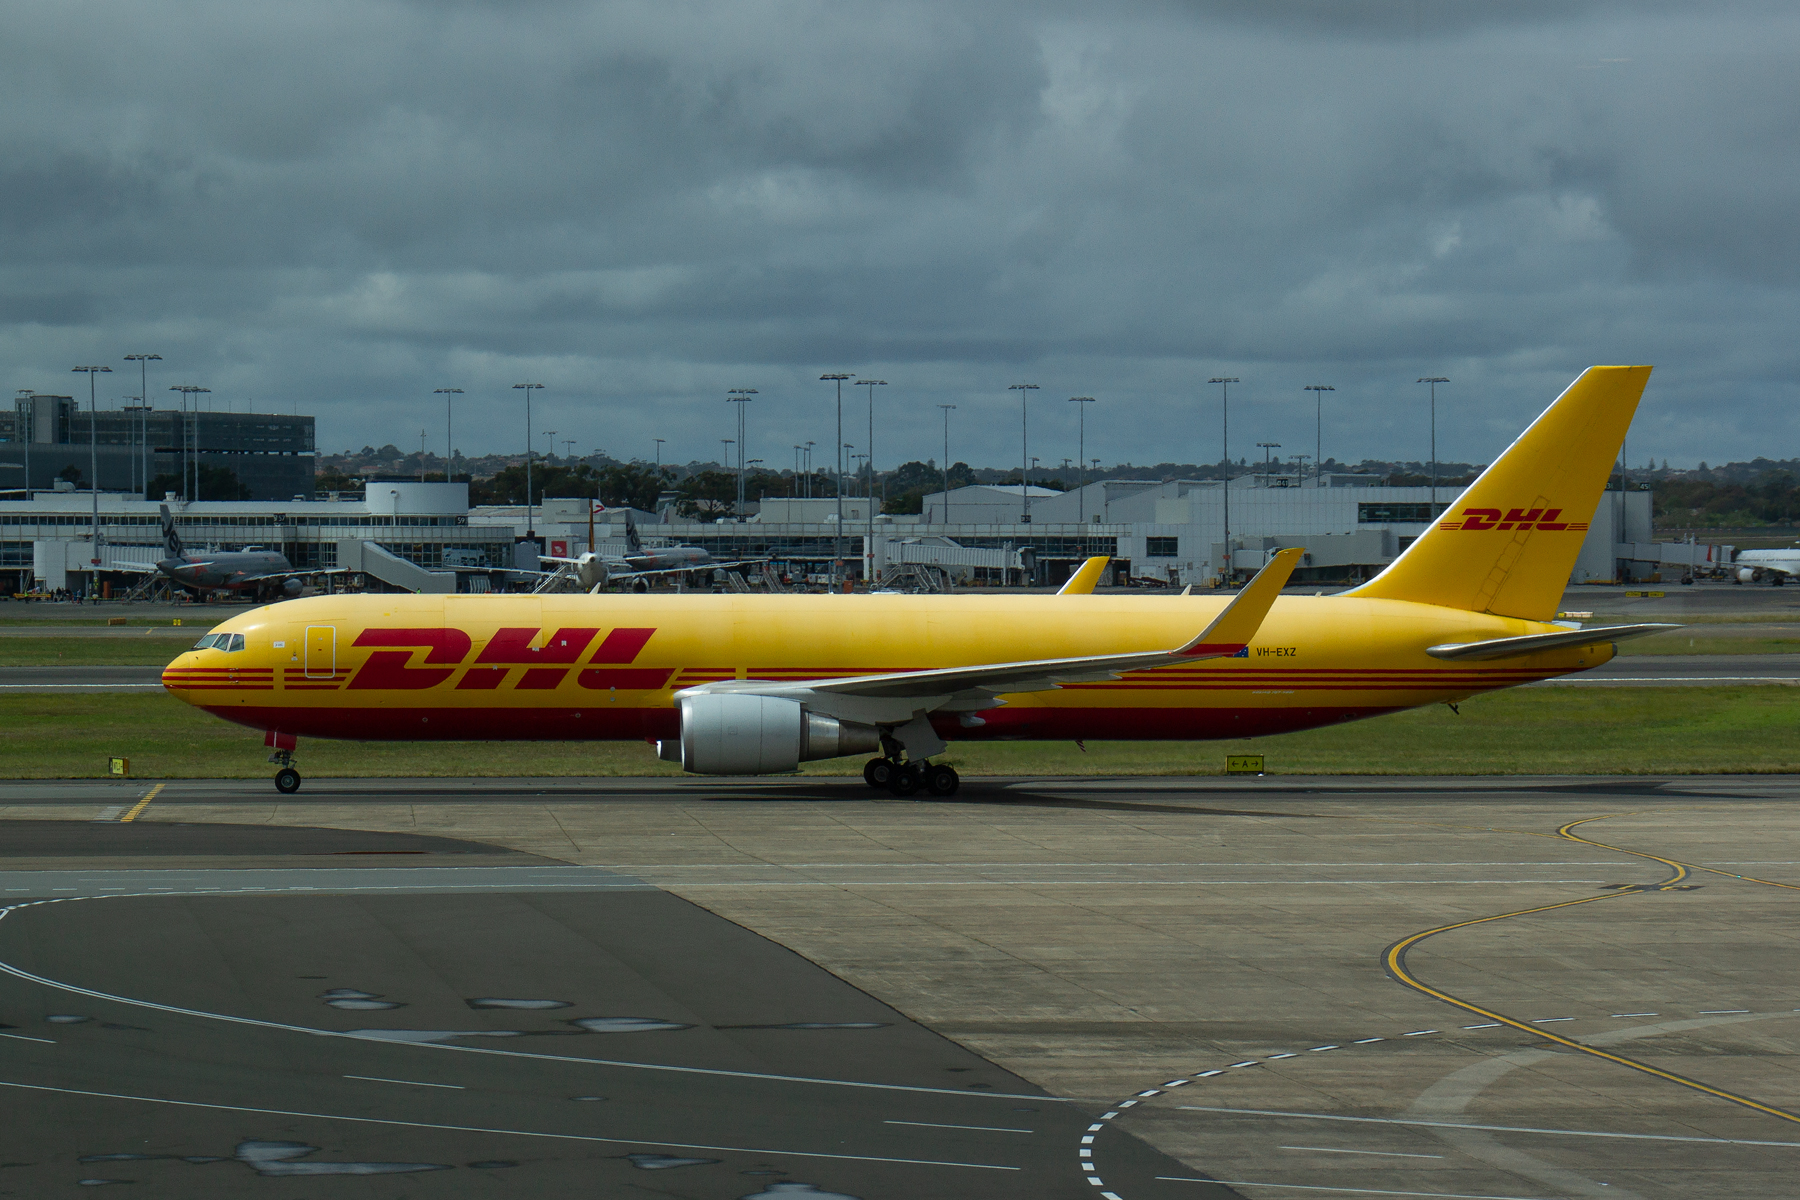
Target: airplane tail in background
x=1507, y=544
x=632, y=540
x=171, y=539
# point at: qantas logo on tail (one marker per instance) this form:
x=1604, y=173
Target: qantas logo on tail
x=1514, y=518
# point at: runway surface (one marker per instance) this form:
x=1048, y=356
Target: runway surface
x=1503, y=988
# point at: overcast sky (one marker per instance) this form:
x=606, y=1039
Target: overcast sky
x=342, y=206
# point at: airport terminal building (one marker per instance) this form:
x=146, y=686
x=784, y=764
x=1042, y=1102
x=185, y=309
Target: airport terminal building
x=49, y=440
x=425, y=537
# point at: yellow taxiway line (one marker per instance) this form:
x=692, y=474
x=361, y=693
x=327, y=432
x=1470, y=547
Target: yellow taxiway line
x=141, y=805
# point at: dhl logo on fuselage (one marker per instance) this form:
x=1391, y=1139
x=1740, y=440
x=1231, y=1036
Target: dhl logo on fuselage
x=1513, y=518
x=545, y=667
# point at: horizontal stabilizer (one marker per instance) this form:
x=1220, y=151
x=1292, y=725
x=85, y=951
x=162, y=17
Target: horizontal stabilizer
x=1531, y=643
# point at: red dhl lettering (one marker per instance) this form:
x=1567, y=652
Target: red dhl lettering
x=1512, y=518
x=546, y=666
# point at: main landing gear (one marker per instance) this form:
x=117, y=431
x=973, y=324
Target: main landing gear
x=287, y=780
x=905, y=779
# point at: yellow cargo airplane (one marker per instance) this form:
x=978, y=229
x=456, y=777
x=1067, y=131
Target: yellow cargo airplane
x=756, y=684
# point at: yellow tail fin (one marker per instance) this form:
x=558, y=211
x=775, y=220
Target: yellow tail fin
x=1082, y=582
x=1508, y=543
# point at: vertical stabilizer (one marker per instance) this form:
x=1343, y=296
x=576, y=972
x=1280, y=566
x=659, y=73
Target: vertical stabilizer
x=1507, y=544
x=171, y=539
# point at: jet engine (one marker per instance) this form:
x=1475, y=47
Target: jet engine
x=1747, y=574
x=292, y=587
x=726, y=733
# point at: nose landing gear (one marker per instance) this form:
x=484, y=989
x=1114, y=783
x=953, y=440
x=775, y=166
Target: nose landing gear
x=287, y=780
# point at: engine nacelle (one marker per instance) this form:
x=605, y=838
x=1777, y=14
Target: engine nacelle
x=1747, y=574
x=726, y=733
x=292, y=587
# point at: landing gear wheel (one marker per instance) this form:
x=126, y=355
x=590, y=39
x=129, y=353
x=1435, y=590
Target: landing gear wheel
x=287, y=780
x=942, y=780
x=905, y=780
x=877, y=772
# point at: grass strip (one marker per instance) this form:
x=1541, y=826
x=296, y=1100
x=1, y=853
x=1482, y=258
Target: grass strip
x=1530, y=731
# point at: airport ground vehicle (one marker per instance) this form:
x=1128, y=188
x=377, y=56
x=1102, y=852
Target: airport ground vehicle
x=755, y=684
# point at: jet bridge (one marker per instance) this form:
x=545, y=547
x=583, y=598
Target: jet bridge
x=370, y=559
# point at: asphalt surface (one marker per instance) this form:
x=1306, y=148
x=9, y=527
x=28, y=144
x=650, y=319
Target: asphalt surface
x=472, y=1030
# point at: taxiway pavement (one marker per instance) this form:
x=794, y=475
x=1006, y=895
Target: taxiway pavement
x=1596, y=991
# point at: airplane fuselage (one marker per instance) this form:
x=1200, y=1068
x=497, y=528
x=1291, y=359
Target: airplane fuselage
x=607, y=667
x=236, y=570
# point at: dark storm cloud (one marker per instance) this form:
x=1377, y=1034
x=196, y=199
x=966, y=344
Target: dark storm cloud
x=342, y=206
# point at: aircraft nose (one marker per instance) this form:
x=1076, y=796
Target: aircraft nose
x=178, y=676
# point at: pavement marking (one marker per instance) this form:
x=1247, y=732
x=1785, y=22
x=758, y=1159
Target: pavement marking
x=111, y=813
x=20, y=973
x=1591, y=1133
x=24, y=1038
x=940, y=1125
x=409, y=1082
x=1370, y=1153
x=141, y=805
x=567, y=1137
x=1304, y=1187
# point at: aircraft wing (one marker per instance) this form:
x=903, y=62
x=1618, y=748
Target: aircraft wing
x=1531, y=643
x=140, y=568
x=883, y=699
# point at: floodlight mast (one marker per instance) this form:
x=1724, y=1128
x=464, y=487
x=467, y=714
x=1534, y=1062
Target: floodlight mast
x=948, y=409
x=190, y=432
x=449, y=443
x=1433, y=380
x=1225, y=382
x=1024, y=390
x=740, y=397
x=93, y=459
x=1266, y=447
x=1081, y=457
x=143, y=361
x=528, y=388
x=837, y=534
x=869, y=545
x=1318, y=390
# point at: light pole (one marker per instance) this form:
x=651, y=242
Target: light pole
x=948, y=409
x=1266, y=447
x=143, y=361
x=808, y=463
x=1225, y=382
x=740, y=397
x=794, y=487
x=837, y=535
x=1318, y=390
x=1081, y=457
x=1024, y=390
x=449, y=443
x=1433, y=380
x=872, y=384
x=528, y=388
x=94, y=460
x=659, y=442
x=550, y=455
x=190, y=433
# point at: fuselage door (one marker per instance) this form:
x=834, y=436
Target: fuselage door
x=321, y=651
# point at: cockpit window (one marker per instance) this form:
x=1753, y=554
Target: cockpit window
x=236, y=642
x=221, y=641
x=209, y=641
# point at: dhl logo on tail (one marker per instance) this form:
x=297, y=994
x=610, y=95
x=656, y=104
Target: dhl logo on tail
x=1514, y=518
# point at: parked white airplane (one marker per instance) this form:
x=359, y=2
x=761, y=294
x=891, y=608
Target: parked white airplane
x=1753, y=566
x=640, y=564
